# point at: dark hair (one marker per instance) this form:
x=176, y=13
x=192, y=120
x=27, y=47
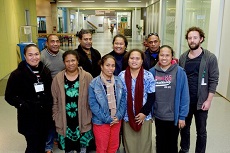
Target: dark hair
x=82, y=32
x=167, y=46
x=199, y=30
x=48, y=37
x=104, y=58
x=153, y=34
x=72, y=52
x=121, y=36
x=28, y=46
x=127, y=55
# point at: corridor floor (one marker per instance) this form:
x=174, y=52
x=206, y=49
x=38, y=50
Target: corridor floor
x=218, y=120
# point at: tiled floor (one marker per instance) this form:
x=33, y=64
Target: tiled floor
x=218, y=121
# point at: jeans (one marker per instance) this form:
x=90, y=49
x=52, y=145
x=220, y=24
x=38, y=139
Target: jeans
x=166, y=136
x=50, y=139
x=201, y=123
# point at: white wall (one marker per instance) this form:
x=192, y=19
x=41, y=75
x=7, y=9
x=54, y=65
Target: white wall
x=136, y=17
x=219, y=43
x=96, y=20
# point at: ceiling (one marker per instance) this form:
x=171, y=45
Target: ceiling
x=102, y=4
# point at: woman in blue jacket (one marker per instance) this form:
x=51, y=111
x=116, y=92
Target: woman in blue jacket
x=171, y=104
x=107, y=101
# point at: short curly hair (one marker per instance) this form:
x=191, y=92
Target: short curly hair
x=199, y=30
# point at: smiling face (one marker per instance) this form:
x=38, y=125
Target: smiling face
x=108, y=68
x=135, y=60
x=32, y=56
x=165, y=57
x=194, y=40
x=71, y=63
x=53, y=44
x=119, y=45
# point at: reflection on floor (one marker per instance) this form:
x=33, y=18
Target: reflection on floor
x=218, y=121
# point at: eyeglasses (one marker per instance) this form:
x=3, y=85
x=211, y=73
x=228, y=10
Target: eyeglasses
x=155, y=34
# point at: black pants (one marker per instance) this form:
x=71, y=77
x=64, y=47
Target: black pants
x=166, y=136
x=201, y=122
x=35, y=143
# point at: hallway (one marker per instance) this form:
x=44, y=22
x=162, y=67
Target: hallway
x=218, y=121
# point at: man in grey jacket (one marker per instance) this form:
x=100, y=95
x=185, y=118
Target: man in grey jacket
x=202, y=71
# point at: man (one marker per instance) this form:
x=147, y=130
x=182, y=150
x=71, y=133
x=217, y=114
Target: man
x=52, y=58
x=202, y=71
x=52, y=55
x=89, y=57
x=151, y=54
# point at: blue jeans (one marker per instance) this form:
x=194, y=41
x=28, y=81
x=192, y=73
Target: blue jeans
x=201, y=123
x=50, y=139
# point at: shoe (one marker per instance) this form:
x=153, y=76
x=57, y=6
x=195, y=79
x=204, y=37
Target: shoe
x=55, y=143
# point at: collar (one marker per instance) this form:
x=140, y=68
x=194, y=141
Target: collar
x=51, y=54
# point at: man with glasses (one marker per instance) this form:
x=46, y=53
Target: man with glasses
x=202, y=71
x=51, y=57
x=151, y=54
x=89, y=57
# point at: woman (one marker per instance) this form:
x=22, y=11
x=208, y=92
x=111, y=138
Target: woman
x=108, y=104
x=29, y=90
x=71, y=111
x=169, y=111
x=120, y=44
x=140, y=88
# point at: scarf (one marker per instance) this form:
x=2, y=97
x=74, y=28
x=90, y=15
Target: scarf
x=110, y=94
x=138, y=97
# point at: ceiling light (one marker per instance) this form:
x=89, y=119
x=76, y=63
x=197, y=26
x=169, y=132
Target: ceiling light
x=111, y=1
x=87, y=1
x=64, y=1
x=134, y=1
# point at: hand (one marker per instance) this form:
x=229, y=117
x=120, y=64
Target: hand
x=181, y=124
x=115, y=120
x=140, y=118
x=206, y=105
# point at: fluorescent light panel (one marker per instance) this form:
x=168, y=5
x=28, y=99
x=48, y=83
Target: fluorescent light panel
x=64, y=1
x=87, y=1
x=133, y=1
x=111, y=1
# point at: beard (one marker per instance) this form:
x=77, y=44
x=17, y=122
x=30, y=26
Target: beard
x=194, y=47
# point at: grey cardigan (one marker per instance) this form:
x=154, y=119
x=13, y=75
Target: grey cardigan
x=209, y=71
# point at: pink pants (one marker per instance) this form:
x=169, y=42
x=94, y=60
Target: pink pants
x=107, y=137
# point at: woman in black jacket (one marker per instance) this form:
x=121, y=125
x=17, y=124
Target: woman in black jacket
x=29, y=90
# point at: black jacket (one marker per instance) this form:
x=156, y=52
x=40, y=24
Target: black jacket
x=34, y=109
x=120, y=65
x=150, y=61
x=92, y=67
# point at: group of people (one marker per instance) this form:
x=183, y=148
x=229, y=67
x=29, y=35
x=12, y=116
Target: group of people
x=92, y=101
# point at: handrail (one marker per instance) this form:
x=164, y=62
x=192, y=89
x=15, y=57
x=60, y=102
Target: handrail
x=95, y=27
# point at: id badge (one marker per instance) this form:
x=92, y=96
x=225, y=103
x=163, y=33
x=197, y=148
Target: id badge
x=203, y=83
x=39, y=87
